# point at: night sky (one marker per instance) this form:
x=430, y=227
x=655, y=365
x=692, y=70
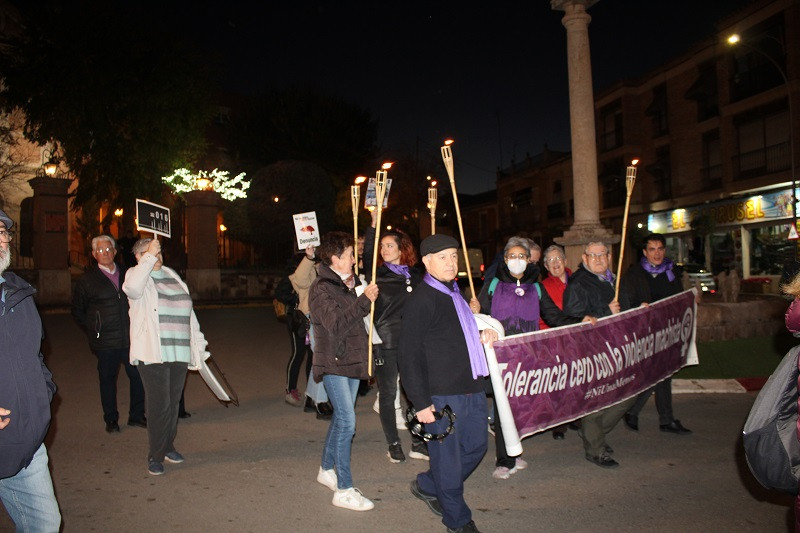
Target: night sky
x=493, y=76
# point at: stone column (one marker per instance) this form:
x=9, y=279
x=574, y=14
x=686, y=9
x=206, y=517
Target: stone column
x=50, y=244
x=586, y=227
x=202, y=267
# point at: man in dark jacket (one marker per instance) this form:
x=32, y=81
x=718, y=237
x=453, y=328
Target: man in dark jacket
x=26, y=389
x=101, y=309
x=443, y=364
x=647, y=281
x=591, y=292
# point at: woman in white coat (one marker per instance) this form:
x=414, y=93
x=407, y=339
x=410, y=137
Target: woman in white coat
x=166, y=341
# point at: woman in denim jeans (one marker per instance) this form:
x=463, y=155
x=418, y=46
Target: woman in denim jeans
x=340, y=359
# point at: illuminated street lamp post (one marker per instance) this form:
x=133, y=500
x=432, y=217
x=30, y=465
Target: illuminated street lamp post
x=736, y=40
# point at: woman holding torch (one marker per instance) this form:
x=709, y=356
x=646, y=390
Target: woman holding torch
x=397, y=276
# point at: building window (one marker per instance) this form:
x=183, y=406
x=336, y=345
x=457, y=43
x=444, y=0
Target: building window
x=612, y=181
x=611, y=126
x=521, y=198
x=712, y=161
x=661, y=170
x=763, y=140
x=757, y=59
x=704, y=92
x=657, y=111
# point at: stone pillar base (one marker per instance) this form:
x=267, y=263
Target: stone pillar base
x=54, y=287
x=204, y=283
x=578, y=236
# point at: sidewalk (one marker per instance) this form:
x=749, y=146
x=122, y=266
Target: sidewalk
x=253, y=467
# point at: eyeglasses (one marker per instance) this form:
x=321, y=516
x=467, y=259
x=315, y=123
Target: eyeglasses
x=6, y=236
x=554, y=260
x=416, y=427
x=107, y=250
x=590, y=255
x=517, y=256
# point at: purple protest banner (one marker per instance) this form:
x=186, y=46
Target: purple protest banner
x=556, y=375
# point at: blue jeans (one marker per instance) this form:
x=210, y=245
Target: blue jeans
x=342, y=393
x=29, y=498
x=454, y=458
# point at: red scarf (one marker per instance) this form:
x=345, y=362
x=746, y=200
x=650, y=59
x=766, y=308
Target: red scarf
x=555, y=289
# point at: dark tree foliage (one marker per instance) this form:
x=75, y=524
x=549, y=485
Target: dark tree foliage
x=305, y=124
x=123, y=95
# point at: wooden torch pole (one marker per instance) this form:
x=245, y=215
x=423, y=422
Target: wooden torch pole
x=630, y=180
x=447, y=157
x=355, y=194
x=380, y=190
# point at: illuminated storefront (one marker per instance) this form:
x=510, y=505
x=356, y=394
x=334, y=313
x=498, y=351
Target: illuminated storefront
x=749, y=233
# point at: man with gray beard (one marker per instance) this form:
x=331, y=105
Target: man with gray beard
x=26, y=389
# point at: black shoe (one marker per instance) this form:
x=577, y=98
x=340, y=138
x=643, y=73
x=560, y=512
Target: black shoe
x=632, y=422
x=112, y=427
x=675, y=427
x=141, y=423
x=309, y=406
x=395, y=453
x=430, y=500
x=604, y=460
x=469, y=527
x=559, y=434
x=324, y=411
x=184, y=414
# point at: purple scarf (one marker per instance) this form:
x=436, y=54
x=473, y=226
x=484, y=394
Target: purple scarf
x=400, y=270
x=665, y=266
x=608, y=276
x=477, y=358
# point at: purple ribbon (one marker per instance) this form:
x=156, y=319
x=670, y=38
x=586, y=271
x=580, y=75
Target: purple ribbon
x=477, y=358
x=665, y=266
x=400, y=270
x=608, y=276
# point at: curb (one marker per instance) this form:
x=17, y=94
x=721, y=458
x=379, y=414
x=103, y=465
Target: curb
x=726, y=386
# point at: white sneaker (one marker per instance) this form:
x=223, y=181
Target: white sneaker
x=501, y=472
x=351, y=499
x=521, y=464
x=327, y=478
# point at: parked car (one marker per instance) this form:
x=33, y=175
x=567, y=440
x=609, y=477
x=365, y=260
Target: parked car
x=697, y=272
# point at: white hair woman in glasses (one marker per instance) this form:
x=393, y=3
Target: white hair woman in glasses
x=166, y=341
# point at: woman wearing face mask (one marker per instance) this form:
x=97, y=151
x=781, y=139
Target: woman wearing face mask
x=512, y=299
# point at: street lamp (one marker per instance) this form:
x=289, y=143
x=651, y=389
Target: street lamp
x=735, y=40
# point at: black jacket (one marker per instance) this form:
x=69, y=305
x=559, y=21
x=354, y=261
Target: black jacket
x=587, y=294
x=26, y=385
x=638, y=286
x=102, y=310
x=391, y=302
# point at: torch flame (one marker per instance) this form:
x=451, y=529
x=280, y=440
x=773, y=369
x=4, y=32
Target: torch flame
x=386, y=166
x=360, y=179
x=448, y=142
x=635, y=162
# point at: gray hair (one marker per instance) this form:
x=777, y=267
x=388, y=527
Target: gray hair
x=533, y=246
x=104, y=238
x=595, y=243
x=522, y=242
x=554, y=248
x=141, y=245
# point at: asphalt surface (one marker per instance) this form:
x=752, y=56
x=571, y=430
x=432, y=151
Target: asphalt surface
x=253, y=467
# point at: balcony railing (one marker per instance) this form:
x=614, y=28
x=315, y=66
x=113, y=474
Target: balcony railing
x=775, y=158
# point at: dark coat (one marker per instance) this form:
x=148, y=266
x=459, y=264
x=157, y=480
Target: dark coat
x=391, y=302
x=635, y=287
x=337, y=320
x=102, y=310
x=26, y=385
x=586, y=294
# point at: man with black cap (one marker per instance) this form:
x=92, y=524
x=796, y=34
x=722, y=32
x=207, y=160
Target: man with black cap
x=26, y=389
x=443, y=364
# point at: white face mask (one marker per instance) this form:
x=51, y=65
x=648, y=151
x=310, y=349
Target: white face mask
x=517, y=266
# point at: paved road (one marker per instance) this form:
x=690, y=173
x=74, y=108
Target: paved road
x=253, y=467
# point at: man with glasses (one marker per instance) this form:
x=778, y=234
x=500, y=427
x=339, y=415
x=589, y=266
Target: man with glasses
x=101, y=308
x=591, y=292
x=648, y=280
x=26, y=390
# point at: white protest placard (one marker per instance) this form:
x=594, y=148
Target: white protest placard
x=307, y=229
x=153, y=218
x=371, y=198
